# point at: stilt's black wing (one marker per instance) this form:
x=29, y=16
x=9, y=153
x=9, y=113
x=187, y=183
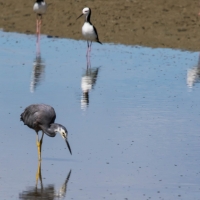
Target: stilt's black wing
x=97, y=40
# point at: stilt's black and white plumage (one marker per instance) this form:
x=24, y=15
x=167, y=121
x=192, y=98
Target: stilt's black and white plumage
x=39, y=8
x=41, y=117
x=88, y=30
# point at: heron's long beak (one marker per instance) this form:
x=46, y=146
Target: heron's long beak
x=80, y=16
x=68, y=146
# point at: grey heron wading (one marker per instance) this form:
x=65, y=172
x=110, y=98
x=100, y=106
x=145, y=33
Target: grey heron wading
x=41, y=117
x=88, y=30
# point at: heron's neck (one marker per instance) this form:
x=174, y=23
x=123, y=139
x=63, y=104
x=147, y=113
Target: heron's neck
x=51, y=130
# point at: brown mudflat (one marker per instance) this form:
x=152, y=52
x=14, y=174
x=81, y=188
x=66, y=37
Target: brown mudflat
x=155, y=23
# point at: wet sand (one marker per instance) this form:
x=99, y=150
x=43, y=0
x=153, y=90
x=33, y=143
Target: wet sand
x=156, y=23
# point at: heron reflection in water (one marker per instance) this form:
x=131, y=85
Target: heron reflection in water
x=38, y=70
x=88, y=82
x=193, y=74
x=46, y=193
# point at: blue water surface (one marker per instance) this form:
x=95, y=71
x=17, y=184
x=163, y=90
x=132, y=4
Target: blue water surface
x=132, y=114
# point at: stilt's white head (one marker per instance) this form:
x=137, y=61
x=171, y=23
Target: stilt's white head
x=86, y=11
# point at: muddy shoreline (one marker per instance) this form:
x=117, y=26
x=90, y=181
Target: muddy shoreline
x=155, y=23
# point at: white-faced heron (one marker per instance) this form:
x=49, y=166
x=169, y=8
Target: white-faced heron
x=41, y=117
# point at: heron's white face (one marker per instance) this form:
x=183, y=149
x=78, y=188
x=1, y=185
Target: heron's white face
x=62, y=132
x=86, y=11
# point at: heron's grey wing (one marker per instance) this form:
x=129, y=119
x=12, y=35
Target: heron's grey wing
x=47, y=113
x=37, y=115
x=46, y=119
x=30, y=116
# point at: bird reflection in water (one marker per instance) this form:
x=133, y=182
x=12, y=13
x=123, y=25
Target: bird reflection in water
x=193, y=75
x=38, y=70
x=88, y=81
x=46, y=193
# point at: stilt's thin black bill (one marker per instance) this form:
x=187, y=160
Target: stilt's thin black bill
x=68, y=147
x=79, y=16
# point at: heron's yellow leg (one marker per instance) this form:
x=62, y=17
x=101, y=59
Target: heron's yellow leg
x=39, y=145
x=38, y=174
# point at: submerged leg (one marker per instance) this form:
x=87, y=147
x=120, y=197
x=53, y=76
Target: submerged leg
x=88, y=63
x=39, y=145
x=88, y=46
x=38, y=174
x=37, y=49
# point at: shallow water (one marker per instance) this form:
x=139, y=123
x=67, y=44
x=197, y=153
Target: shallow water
x=132, y=117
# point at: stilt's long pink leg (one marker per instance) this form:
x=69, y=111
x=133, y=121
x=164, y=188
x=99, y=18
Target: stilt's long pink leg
x=37, y=48
x=39, y=33
x=88, y=46
x=88, y=62
x=37, y=28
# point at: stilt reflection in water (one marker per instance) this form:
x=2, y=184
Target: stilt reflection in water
x=88, y=81
x=49, y=192
x=38, y=71
x=193, y=74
